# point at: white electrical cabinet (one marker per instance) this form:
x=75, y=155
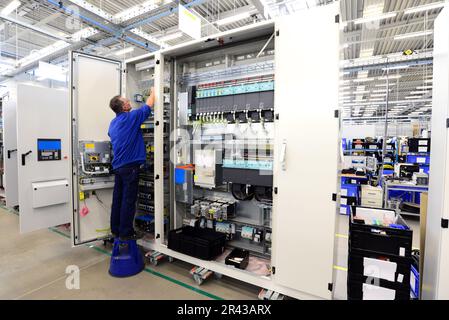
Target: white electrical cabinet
x=64, y=153
x=436, y=257
x=266, y=103
x=10, y=151
x=257, y=105
x=43, y=157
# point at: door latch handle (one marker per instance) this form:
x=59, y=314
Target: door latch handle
x=24, y=155
x=10, y=152
x=283, y=156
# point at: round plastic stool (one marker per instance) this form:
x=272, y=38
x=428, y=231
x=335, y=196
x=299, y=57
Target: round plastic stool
x=126, y=259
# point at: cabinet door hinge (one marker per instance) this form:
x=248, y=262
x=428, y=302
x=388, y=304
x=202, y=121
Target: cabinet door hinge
x=337, y=18
x=444, y=223
x=447, y=123
x=337, y=113
x=276, y=190
x=273, y=270
x=277, y=33
x=330, y=287
x=334, y=197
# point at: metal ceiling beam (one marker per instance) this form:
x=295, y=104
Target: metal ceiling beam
x=54, y=55
x=259, y=6
x=173, y=9
x=32, y=27
x=113, y=30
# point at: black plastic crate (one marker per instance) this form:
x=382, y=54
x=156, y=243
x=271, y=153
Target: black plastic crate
x=238, y=258
x=380, y=239
x=355, y=291
x=398, y=287
x=356, y=262
x=200, y=243
x=401, y=277
x=419, y=145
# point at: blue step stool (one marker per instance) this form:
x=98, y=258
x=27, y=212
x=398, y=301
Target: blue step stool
x=126, y=259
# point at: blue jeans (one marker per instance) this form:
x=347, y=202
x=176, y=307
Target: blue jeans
x=124, y=200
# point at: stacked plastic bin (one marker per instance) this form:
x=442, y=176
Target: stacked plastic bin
x=379, y=260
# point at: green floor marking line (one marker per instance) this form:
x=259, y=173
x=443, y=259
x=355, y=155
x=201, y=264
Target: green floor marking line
x=59, y=232
x=182, y=284
x=9, y=210
x=155, y=273
x=341, y=268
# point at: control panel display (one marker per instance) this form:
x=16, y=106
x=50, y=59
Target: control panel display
x=49, y=149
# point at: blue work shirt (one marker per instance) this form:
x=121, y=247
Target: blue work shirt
x=126, y=137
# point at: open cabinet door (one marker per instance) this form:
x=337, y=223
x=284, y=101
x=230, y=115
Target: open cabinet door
x=94, y=81
x=306, y=96
x=10, y=153
x=44, y=161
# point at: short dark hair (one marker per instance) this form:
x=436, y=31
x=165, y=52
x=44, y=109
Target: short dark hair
x=116, y=104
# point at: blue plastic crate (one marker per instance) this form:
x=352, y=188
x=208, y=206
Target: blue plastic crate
x=351, y=190
x=414, y=281
x=345, y=210
x=419, y=159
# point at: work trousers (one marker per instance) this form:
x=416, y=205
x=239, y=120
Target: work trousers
x=124, y=200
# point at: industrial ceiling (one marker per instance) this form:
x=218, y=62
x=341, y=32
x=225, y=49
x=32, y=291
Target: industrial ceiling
x=383, y=44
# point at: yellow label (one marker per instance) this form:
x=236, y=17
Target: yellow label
x=81, y=196
x=103, y=230
x=152, y=148
x=195, y=178
x=90, y=146
x=143, y=126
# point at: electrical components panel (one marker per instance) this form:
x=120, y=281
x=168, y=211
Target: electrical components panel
x=227, y=114
x=207, y=168
x=219, y=209
x=243, y=100
x=96, y=158
x=184, y=184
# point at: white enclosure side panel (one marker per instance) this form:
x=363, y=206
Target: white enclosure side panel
x=42, y=113
x=159, y=150
x=10, y=153
x=306, y=152
x=94, y=82
x=436, y=259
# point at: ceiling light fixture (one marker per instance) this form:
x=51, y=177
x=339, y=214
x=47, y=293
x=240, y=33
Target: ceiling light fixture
x=395, y=68
x=375, y=18
x=231, y=19
x=425, y=7
x=419, y=92
x=172, y=36
x=13, y=5
x=424, y=87
x=413, y=35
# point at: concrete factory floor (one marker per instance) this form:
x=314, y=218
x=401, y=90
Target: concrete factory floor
x=33, y=266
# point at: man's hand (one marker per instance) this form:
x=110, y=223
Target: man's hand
x=151, y=99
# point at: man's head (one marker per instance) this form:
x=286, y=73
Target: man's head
x=120, y=104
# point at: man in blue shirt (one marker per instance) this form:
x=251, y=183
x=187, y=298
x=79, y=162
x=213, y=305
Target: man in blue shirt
x=129, y=155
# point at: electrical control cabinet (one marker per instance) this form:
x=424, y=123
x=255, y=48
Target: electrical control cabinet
x=222, y=148
x=435, y=279
x=239, y=105
x=11, y=179
x=43, y=157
